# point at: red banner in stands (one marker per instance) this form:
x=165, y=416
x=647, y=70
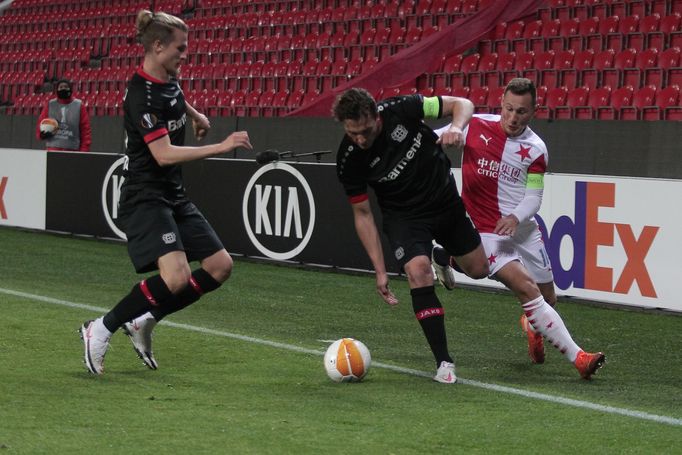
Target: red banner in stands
x=427, y=54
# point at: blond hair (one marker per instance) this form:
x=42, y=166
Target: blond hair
x=152, y=27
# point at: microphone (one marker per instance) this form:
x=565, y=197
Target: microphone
x=267, y=156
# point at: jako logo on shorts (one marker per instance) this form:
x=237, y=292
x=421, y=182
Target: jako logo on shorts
x=278, y=211
x=588, y=233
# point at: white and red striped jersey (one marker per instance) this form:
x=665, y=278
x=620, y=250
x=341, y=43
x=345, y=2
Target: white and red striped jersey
x=495, y=169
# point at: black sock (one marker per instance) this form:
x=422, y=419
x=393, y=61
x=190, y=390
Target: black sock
x=443, y=258
x=144, y=296
x=440, y=256
x=430, y=314
x=199, y=284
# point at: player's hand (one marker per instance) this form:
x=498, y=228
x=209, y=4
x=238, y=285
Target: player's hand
x=200, y=125
x=453, y=137
x=384, y=291
x=236, y=140
x=506, y=225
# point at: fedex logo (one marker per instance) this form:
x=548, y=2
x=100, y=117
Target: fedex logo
x=588, y=233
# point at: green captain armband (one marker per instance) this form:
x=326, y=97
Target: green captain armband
x=432, y=107
x=535, y=181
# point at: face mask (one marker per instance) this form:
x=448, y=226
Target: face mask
x=64, y=93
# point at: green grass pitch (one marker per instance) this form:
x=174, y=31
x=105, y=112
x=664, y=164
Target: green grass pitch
x=241, y=370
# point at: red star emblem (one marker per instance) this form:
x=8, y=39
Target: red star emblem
x=492, y=258
x=524, y=152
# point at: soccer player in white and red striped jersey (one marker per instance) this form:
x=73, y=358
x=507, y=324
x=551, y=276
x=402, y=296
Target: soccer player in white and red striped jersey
x=503, y=167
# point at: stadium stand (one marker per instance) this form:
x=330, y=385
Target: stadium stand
x=597, y=59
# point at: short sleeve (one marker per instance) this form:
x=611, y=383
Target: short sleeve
x=146, y=116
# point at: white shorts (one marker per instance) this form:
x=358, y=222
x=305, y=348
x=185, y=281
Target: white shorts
x=526, y=246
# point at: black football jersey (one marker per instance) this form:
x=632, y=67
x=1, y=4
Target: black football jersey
x=408, y=171
x=153, y=109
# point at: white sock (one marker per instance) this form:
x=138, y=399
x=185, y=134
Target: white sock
x=147, y=315
x=146, y=319
x=99, y=329
x=547, y=321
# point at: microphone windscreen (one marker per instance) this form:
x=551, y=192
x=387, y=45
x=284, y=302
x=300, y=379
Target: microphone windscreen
x=267, y=156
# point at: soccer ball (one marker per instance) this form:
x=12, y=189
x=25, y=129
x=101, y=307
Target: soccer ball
x=48, y=125
x=347, y=360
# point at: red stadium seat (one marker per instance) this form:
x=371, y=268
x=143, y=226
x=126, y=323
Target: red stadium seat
x=495, y=99
x=568, y=33
x=642, y=98
x=649, y=35
x=551, y=30
x=442, y=79
x=608, y=27
x=626, y=26
x=575, y=98
x=588, y=28
x=555, y=97
x=505, y=67
x=614, y=76
x=531, y=39
x=278, y=104
x=666, y=100
x=620, y=98
x=591, y=77
x=669, y=63
x=479, y=96
x=563, y=61
x=469, y=65
x=646, y=59
x=486, y=73
x=513, y=31
x=599, y=97
x=543, y=63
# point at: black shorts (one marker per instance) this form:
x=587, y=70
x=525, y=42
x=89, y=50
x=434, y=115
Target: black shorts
x=157, y=227
x=412, y=237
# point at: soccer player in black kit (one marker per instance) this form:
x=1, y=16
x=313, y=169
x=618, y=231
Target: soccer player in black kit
x=389, y=148
x=165, y=230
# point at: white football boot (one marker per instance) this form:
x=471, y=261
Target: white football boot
x=96, y=341
x=444, y=273
x=445, y=373
x=140, y=333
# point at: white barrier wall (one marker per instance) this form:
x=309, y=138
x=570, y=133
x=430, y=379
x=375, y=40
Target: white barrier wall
x=23, y=177
x=612, y=239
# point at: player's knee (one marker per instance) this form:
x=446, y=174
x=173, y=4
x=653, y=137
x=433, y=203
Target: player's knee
x=475, y=269
x=219, y=266
x=177, y=279
x=419, y=271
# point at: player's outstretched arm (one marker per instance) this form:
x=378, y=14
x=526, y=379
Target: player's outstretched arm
x=167, y=154
x=369, y=236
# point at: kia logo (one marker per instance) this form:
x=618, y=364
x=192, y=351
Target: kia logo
x=111, y=193
x=279, y=211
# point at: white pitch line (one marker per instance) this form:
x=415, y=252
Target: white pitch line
x=494, y=387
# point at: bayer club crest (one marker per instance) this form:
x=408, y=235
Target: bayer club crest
x=279, y=211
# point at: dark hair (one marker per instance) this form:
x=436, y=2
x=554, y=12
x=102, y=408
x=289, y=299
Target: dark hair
x=63, y=81
x=521, y=86
x=152, y=27
x=354, y=104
